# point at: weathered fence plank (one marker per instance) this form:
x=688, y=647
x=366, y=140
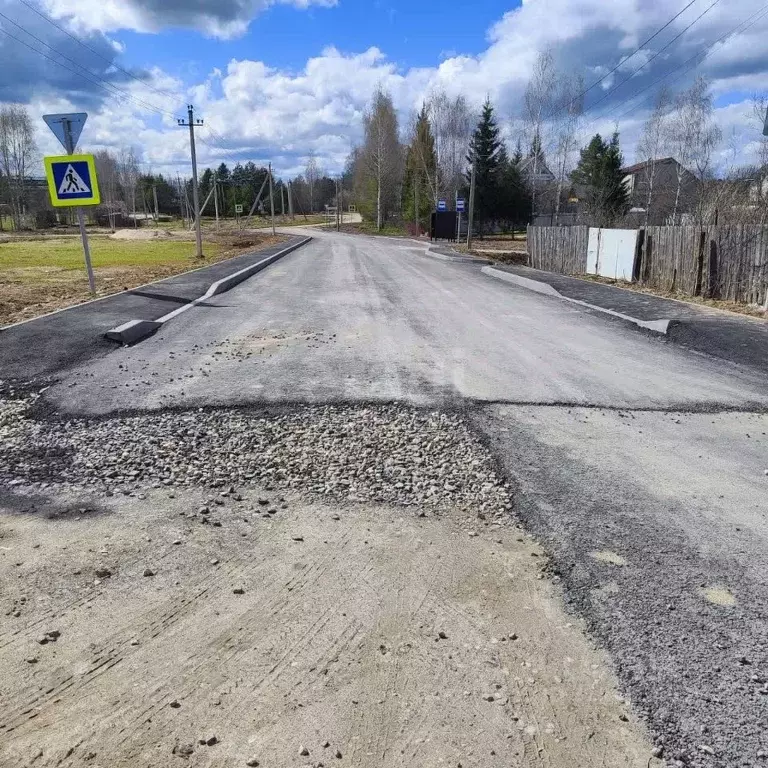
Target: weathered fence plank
x=727, y=262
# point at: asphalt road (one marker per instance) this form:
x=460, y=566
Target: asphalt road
x=51, y=343
x=348, y=319
x=642, y=466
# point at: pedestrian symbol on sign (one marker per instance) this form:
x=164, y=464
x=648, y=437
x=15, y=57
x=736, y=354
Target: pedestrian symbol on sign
x=73, y=183
x=72, y=180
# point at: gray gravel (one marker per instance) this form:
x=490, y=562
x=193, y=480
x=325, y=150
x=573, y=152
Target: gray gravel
x=386, y=454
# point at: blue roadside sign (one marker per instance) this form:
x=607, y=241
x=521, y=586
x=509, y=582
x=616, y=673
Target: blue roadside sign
x=442, y=205
x=72, y=180
x=460, y=204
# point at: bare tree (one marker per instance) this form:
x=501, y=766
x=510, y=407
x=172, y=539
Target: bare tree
x=381, y=151
x=108, y=170
x=568, y=111
x=538, y=103
x=311, y=174
x=128, y=174
x=694, y=136
x=652, y=145
x=452, y=123
x=17, y=153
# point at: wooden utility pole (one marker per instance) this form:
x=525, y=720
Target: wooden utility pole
x=157, y=209
x=290, y=201
x=271, y=199
x=192, y=123
x=471, y=218
x=216, y=199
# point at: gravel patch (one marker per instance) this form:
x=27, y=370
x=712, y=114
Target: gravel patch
x=388, y=454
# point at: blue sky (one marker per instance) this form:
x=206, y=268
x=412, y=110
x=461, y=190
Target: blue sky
x=414, y=33
x=276, y=80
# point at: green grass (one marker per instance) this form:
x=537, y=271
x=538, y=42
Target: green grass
x=67, y=253
x=369, y=228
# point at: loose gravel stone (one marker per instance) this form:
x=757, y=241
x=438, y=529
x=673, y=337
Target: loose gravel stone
x=389, y=454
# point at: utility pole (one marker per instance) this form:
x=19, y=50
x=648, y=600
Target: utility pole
x=157, y=209
x=271, y=199
x=471, y=219
x=282, y=199
x=216, y=199
x=192, y=123
x=290, y=201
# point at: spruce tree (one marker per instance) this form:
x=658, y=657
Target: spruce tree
x=599, y=174
x=487, y=152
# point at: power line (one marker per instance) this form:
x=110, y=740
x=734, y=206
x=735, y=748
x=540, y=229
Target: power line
x=655, y=55
x=688, y=64
x=623, y=61
x=85, y=45
x=115, y=90
x=93, y=78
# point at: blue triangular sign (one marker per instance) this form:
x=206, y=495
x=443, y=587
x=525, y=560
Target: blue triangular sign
x=57, y=123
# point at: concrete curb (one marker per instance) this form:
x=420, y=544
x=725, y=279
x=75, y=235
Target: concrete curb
x=656, y=326
x=457, y=259
x=136, y=330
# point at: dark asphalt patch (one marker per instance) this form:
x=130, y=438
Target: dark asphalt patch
x=54, y=343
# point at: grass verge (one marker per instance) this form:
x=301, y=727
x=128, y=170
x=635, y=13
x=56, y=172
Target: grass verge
x=39, y=276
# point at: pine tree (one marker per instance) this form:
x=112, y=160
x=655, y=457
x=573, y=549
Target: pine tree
x=599, y=172
x=487, y=152
x=419, y=193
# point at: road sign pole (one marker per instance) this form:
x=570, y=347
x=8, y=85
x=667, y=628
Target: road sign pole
x=70, y=145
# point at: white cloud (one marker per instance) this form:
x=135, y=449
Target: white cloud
x=264, y=112
x=217, y=18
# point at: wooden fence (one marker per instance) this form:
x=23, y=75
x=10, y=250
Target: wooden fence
x=558, y=249
x=728, y=261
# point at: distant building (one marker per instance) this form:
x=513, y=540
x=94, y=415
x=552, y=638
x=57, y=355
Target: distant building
x=662, y=176
x=542, y=174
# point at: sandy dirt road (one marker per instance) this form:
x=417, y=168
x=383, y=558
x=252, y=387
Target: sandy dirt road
x=336, y=638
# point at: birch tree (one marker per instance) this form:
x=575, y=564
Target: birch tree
x=451, y=121
x=538, y=104
x=128, y=173
x=108, y=171
x=311, y=174
x=569, y=108
x=382, y=152
x=694, y=136
x=17, y=153
x=652, y=146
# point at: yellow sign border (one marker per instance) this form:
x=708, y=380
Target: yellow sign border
x=94, y=199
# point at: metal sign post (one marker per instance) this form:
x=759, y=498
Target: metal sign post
x=459, y=211
x=67, y=129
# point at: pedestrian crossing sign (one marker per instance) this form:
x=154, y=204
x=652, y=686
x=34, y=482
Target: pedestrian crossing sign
x=72, y=180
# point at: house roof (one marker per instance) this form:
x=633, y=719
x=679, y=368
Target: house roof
x=639, y=167
x=542, y=169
